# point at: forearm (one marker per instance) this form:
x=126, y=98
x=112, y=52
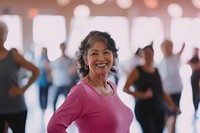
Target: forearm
x=169, y=101
x=32, y=78
x=137, y=94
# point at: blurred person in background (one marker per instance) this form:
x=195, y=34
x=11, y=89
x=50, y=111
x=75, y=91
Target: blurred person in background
x=44, y=80
x=194, y=63
x=169, y=69
x=13, y=108
x=63, y=74
x=149, y=94
x=93, y=103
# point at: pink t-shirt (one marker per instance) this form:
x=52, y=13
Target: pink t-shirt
x=92, y=112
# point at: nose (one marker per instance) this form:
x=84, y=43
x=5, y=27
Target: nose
x=101, y=57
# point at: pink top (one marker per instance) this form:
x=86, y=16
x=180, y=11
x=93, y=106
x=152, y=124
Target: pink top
x=92, y=112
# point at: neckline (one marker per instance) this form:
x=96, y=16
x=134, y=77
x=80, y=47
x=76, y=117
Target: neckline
x=4, y=56
x=93, y=89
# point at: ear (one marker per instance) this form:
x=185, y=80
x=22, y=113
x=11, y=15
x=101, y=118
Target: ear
x=85, y=60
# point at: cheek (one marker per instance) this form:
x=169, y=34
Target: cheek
x=90, y=61
x=111, y=60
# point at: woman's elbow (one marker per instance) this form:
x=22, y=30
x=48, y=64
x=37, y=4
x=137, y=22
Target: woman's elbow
x=36, y=72
x=126, y=90
x=51, y=128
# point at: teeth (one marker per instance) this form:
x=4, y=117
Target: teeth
x=101, y=65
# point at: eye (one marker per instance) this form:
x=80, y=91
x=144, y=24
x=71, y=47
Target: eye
x=94, y=53
x=107, y=52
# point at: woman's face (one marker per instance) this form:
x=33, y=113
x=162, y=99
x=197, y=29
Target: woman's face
x=167, y=48
x=148, y=55
x=99, y=59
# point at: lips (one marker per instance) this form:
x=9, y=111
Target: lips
x=101, y=64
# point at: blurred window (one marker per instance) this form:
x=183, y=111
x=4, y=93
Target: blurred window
x=49, y=31
x=144, y=31
x=118, y=27
x=14, y=38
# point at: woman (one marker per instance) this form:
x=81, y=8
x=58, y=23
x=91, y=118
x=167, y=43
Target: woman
x=194, y=63
x=12, y=104
x=171, y=79
x=93, y=103
x=44, y=80
x=149, y=108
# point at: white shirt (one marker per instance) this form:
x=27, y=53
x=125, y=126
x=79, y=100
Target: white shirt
x=169, y=72
x=61, y=71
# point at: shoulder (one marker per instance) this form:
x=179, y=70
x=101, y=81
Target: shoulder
x=78, y=89
x=13, y=51
x=137, y=69
x=17, y=56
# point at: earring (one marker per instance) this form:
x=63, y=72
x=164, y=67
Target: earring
x=86, y=67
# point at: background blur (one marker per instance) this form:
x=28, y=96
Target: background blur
x=132, y=23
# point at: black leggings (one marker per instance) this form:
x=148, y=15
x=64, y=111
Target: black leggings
x=195, y=79
x=150, y=122
x=16, y=121
x=43, y=97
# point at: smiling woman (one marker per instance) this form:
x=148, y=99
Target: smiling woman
x=93, y=104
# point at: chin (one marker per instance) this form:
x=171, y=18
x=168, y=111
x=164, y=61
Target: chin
x=102, y=74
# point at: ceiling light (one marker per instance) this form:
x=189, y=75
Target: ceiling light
x=151, y=4
x=81, y=11
x=124, y=4
x=175, y=10
x=98, y=2
x=63, y=2
x=196, y=3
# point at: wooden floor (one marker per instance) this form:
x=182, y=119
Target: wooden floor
x=37, y=121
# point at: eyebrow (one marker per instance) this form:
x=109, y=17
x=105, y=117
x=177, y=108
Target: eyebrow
x=94, y=50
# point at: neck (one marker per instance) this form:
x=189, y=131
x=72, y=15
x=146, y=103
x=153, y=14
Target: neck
x=97, y=81
x=168, y=54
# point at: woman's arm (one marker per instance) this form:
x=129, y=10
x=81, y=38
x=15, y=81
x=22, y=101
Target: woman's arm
x=170, y=103
x=29, y=66
x=72, y=108
x=132, y=77
x=181, y=50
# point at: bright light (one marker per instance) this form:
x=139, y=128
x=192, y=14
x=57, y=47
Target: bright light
x=82, y=11
x=175, y=10
x=196, y=3
x=98, y=2
x=32, y=12
x=63, y=2
x=151, y=4
x=124, y=4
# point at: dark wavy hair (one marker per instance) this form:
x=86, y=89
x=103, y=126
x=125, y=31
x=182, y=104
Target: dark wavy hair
x=150, y=46
x=87, y=42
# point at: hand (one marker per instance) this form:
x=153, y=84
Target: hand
x=148, y=94
x=176, y=109
x=15, y=91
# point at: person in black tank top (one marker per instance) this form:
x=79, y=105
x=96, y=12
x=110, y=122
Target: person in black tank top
x=149, y=94
x=13, y=110
x=194, y=63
